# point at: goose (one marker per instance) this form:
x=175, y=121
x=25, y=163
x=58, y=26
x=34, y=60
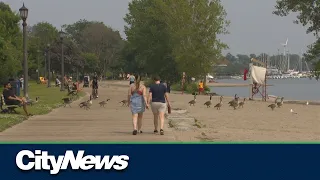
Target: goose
x=30, y=101
x=218, y=106
x=242, y=103
x=88, y=104
x=102, y=103
x=193, y=102
x=279, y=104
x=272, y=106
x=235, y=104
x=124, y=102
x=67, y=101
x=208, y=103
x=234, y=100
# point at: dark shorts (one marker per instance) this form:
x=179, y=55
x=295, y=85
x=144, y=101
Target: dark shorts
x=131, y=82
x=95, y=87
x=13, y=102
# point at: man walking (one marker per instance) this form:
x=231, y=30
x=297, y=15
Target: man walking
x=94, y=85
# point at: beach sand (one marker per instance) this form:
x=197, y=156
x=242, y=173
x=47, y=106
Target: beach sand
x=254, y=122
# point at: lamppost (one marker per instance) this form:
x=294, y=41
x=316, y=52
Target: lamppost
x=24, y=15
x=38, y=66
x=49, y=65
x=45, y=62
x=62, y=35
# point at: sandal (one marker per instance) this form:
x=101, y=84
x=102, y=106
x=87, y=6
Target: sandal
x=140, y=132
x=155, y=131
x=134, y=132
x=161, y=132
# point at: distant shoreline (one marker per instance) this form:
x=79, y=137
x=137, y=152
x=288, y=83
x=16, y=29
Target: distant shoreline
x=231, y=85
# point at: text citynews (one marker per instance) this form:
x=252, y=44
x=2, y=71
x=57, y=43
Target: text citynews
x=41, y=160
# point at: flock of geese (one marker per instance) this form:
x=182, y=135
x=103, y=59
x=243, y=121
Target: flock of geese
x=87, y=104
x=235, y=103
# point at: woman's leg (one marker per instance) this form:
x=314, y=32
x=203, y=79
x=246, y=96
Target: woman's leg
x=140, y=116
x=134, y=123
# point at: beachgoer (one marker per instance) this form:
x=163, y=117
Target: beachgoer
x=131, y=79
x=94, y=85
x=200, y=86
x=137, y=101
x=11, y=99
x=58, y=83
x=159, y=99
x=168, y=87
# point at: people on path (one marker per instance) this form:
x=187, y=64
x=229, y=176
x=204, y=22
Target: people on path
x=137, y=101
x=131, y=79
x=159, y=99
x=11, y=99
x=95, y=85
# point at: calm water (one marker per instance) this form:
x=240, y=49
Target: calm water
x=291, y=89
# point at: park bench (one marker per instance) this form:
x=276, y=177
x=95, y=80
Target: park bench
x=7, y=108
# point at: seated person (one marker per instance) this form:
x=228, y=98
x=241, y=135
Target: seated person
x=58, y=82
x=74, y=86
x=11, y=99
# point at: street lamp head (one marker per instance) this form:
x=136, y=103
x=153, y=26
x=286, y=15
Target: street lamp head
x=23, y=12
x=62, y=34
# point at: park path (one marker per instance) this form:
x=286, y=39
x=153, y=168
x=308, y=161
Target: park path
x=112, y=123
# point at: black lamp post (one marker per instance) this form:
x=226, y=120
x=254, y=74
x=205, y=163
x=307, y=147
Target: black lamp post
x=24, y=15
x=49, y=65
x=38, y=66
x=62, y=35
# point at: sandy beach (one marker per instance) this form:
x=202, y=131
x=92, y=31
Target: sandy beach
x=255, y=122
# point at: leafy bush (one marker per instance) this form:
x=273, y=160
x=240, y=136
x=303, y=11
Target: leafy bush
x=189, y=88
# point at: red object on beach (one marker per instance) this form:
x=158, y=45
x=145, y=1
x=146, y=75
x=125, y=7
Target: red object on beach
x=245, y=74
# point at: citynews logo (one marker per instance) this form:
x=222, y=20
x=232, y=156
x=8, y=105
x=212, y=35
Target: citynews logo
x=41, y=160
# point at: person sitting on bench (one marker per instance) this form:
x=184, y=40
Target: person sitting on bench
x=58, y=82
x=11, y=99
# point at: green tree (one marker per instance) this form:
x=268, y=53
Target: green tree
x=308, y=12
x=93, y=37
x=308, y=15
x=171, y=37
x=40, y=35
x=10, y=43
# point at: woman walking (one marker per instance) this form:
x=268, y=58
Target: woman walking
x=159, y=101
x=137, y=102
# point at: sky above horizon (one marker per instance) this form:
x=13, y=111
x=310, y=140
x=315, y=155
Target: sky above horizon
x=253, y=28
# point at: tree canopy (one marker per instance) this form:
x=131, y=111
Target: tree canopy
x=175, y=36
x=163, y=37
x=10, y=42
x=308, y=15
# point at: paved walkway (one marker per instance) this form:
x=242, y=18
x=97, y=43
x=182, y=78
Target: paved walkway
x=112, y=123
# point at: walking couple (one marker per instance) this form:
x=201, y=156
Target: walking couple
x=138, y=102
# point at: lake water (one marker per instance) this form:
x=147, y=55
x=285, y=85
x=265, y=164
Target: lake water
x=290, y=89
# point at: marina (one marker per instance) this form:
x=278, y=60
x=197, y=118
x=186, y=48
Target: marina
x=302, y=89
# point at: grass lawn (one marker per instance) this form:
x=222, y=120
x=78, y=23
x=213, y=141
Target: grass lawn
x=49, y=98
